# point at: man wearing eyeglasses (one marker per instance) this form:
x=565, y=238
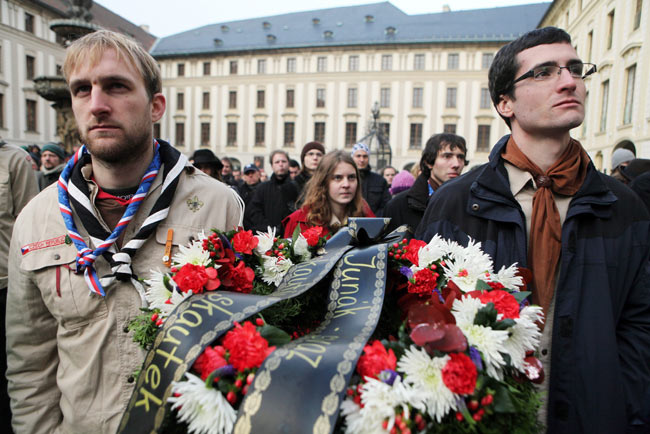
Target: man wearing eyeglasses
x=540, y=202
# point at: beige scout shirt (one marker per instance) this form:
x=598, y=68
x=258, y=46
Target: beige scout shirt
x=17, y=187
x=70, y=355
x=523, y=189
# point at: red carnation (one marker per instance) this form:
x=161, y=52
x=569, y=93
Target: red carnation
x=194, y=277
x=504, y=302
x=412, y=251
x=239, y=278
x=210, y=360
x=426, y=281
x=313, y=235
x=459, y=374
x=246, y=346
x=245, y=242
x=375, y=359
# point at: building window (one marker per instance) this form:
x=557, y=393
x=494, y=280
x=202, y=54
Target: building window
x=604, y=102
x=58, y=70
x=418, y=93
x=259, y=133
x=180, y=134
x=261, y=66
x=31, y=115
x=233, y=67
x=231, y=139
x=384, y=128
x=485, y=98
x=451, y=97
x=180, y=101
x=29, y=67
x=319, y=132
x=386, y=62
x=610, y=29
x=353, y=63
x=29, y=22
x=637, y=14
x=452, y=61
x=449, y=128
x=352, y=97
x=629, y=94
x=232, y=99
x=590, y=43
x=418, y=62
x=289, y=133
x=350, y=133
x=156, y=130
x=180, y=70
x=205, y=134
x=415, y=140
x=320, y=98
x=486, y=61
x=2, y=111
x=384, y=97
x=291, y=64
x=260, y=99
x=206, y=68
x=483, y=140
x=206, y=100
x=290, y=98
x=321, y=64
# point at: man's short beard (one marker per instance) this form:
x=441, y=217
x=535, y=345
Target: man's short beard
x=121, y=153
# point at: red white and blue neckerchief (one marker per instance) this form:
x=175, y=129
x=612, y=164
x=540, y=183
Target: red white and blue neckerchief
x=74, y=196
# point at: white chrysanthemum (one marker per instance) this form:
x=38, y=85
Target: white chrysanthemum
x=157, y=294
x=435, y=250
x=204, y=409
x=274, y=269
x=301, y=248
x=508, y=277
x=266, y=240
x=351, y=412
x=194, y=254
x=467, y=264
x=464, y=310
x=524, y=336
x=424, y=374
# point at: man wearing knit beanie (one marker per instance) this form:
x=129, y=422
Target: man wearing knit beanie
x=310, y=157
x=374, y=187
x=53, y=162
x=620, y=159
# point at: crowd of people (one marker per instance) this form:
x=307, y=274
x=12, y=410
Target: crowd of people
x=71, y=256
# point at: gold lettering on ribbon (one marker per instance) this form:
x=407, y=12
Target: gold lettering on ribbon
x=185, y=321
x=312, y=344
x=168, y=334
x=346, y=260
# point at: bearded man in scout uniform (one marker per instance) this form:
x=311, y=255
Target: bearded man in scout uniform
x=122, y=205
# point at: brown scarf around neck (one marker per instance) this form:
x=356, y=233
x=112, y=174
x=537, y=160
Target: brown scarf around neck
x=564, y=177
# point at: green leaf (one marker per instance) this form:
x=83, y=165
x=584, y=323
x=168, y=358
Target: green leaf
x=274, y=335
x=521, y=296
x=502, y=401
x=294, y=237
x=503, y=324
x=486, y=315
x=482, y=286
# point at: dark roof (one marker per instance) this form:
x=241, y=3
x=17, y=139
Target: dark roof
x=354, y=25
x=104, y=18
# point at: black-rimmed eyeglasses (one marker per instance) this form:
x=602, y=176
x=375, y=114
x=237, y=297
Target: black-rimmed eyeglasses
x=546, y=72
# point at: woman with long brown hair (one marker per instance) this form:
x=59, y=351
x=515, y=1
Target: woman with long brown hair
x=331, y=196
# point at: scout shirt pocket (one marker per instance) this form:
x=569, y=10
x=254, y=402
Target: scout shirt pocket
x=180, y=236
x=64, y=292
x=4, y=193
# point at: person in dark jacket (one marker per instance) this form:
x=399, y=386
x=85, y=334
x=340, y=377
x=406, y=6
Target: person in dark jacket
x=373, y=186
x=443, y=158
x=274, y=199
x=310, y=156
x=53, y=161
x=539, y=202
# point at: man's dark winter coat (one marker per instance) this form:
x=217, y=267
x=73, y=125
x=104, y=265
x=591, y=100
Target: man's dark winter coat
x=272, y=201
x=375, y=190
x=600, y=376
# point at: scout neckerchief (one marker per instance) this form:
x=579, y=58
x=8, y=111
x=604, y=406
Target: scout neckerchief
x=73, y=189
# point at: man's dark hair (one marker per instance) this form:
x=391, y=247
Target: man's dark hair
x=294, y=163
x=505, y=65
x=435, y=144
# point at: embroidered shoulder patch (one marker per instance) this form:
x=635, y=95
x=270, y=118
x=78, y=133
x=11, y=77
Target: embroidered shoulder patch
x=194, y=204
x=38, y=245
